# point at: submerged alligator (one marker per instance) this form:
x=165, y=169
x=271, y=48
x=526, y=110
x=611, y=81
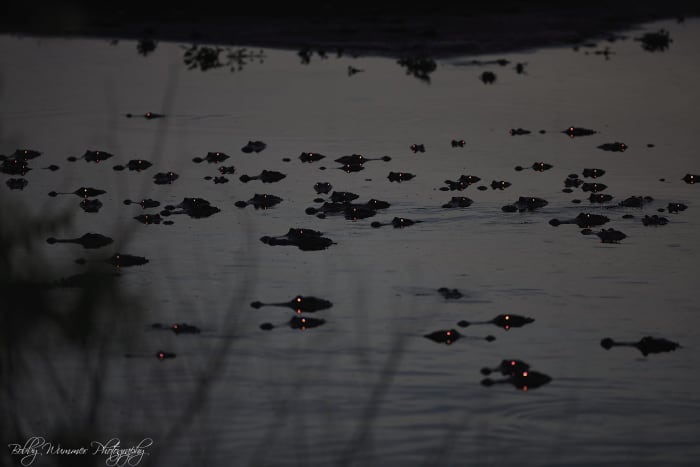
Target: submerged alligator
x=583, y=220
x=593, y=173
x=536, y=166
x=574, y=131
x=500, y=185
x=397, y=222
x=88, y=241
x=593, y=187
x=119, y=260
x=502, y=321
x=149, y=219
x=136, y=165
x=144, y=203
x=450, y=294
x=165, y=178
x=462, y=183
x=654, y=220
x=304, y=239
x=417, y=148
x=519, y=132
x=258, y=201
x=448, y=336
x=212, y=158
x=360, y=159
x=178, y=328
x=523, y=380
x=351, y=211
x=606, y=235
x=400, y=176
x=458, y=143
x=614, y=147
x=646, y=345
x=458, y=202
x=322, y=188
x=507, y=368
x=92, y=156
x=196, y=208
x=311, y=157
x=300, y=304
x=147, y=115
x=17, y=183
x=83, y=192
x=525, y=203
x=253, y=146
x=91, y=205
x=691, y=179
x=266, y=176
x=297, y=322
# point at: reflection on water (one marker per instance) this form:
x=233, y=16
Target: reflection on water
x=390, y=286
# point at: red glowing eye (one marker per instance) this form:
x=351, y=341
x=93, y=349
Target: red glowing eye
x=161, y=355
x=448, y=333
x=525, y=374
x=298, y=299
x=512, y=363
x=507, y=317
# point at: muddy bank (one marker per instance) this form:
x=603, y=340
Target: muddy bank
x=360, y=28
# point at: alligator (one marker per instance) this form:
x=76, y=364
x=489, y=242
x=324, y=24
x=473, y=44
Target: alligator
x=500, y=185
x=606, y=235
x=196, y=208
x=263, y=201
x=300, y=304
x=165, y=178
x=654, y=220
x=583, y=220
x=574, y=131
x=593, y=187
x=322, y=188
x=458, y=202
x=147, y=115
x=304, y=239
x=614, y=147
x=253, y=146
x=93, y=156
x=311, y=157
x=119, y=260
x=518, y=132
x=417, y=148
x=17, y=183
x=144, y=203
x=212, y=158
x=400, y=176
x=227, y=170
x=134, y=165
x=502, y=321
x=83, y=192
x=87, y=241
x=90, y=205
x=593, y=173
x=647, y=345
x=525, y=203
x=266, y=176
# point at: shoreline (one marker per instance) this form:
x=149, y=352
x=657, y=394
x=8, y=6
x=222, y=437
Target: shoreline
x=372, y=31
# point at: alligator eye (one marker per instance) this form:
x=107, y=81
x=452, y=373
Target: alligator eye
x=507, y=317
x=524, y=374
x=161, y=355
x=448, y=333
x=175, y=326
x=512, y=363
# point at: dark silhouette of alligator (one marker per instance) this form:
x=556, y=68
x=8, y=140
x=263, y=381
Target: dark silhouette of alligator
x=675, y=208
x=502, y=321
x=635, y=201
x=134, y=165
x=87, y=241
x=119, y=260
x=525, y=203
x=311, y=157
x=614, y=147
x=83, y=192
x=212, y=158
x=507, y=368
x=149, y=219
x=323, y=188
x=691, y=179
x=500, y=185
x=417, y=148
x=266, y=176
x=488, y=77
x=14, y=167
x=90, y=205
x=52, y=168
x=83, y=280
x=196, y=208
x=25, y=154
x=227, y=170
x=93, y=156
x=161, y=355
x=606, y=235
x=462, y=183
x=165, y=178
x=17, y=183
x=458, y=143
x=450, y=294
x=448, y=336
x=518, y=132
x=593, y=173
x=400, y=176
x=258, y=201
x=583, y=220
x=646, y=345
x=343, y=196
x=599, y=198
x=351, y=168
x=360, y=159
x=573, y=131
x=147, y=115
x=593, y=187
x=144, y=203
x=654, y=220
x=304, y=239
x=536, y=166
x=297, y=322
x=254, y=146
x=300, y=304
x=458, y=202
x=351, y=211
x=572, y=181
x=397, y=222
x=655, y=41
x=523, y=380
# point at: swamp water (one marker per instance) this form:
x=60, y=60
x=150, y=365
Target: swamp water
x=366, y=387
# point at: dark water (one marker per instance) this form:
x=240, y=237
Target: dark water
x=366, y=387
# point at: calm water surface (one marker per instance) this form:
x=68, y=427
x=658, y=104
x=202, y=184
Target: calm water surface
x=366, y=387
